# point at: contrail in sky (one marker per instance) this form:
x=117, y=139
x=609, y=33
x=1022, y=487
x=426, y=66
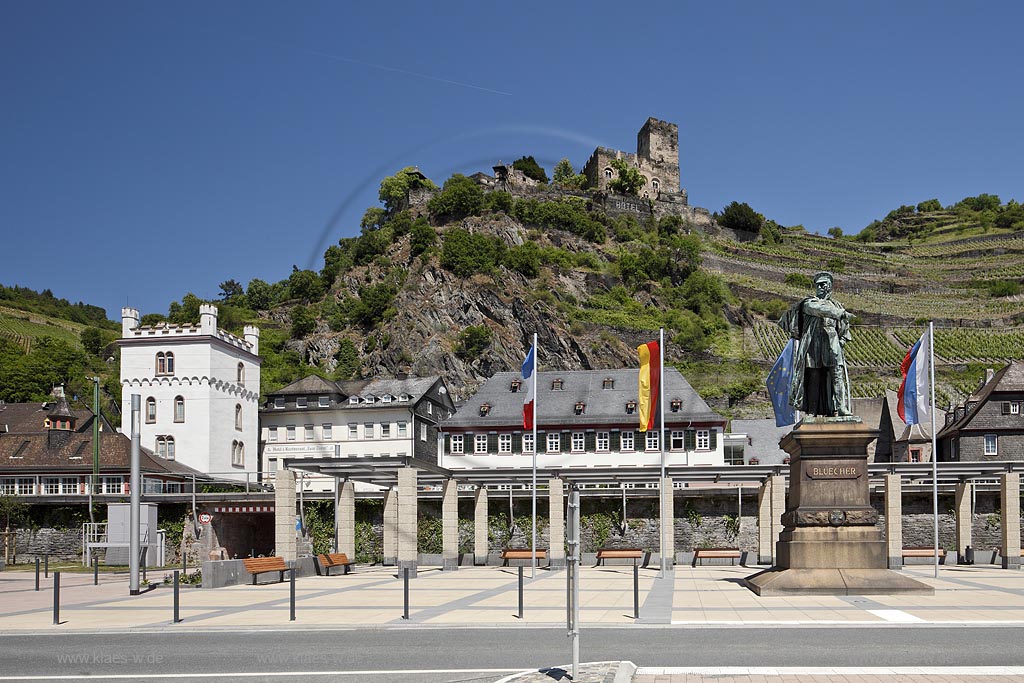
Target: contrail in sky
x=404, y=71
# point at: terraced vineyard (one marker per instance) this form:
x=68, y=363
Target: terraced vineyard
x=22, y=330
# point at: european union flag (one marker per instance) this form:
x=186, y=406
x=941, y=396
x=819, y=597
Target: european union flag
x=778, y=383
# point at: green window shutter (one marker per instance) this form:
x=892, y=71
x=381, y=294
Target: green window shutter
x=713, y=439
x=614, y=441
x=566, y=442
x=590, y=442
x=492, y=443
x=690, y=439
x=447, y=443
x=517, y=443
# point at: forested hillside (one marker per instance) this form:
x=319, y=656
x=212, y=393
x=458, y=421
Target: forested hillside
x=455, y=281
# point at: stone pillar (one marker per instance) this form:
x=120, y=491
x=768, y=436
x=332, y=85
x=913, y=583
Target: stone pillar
x=1009, y=492
x=894, y=520
x=556, y=523
x=480, y=548
x=667, y=522
x=778, y=503
x=284, y=515
x=408, y=549
x=450, y=526
x=765, y=538
x=391, y=526
x=964, y=519
x=347, y=520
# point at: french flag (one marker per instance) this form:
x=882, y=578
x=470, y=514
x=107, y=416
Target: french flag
x=529, y=367
x=913, y=406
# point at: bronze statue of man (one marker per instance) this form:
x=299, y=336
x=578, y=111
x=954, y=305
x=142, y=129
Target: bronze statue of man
x=821, y=327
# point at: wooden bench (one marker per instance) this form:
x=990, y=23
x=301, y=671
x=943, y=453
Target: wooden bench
x=619, y=554
x=923, y=551
x=329, y=560
x=716, y=553
x=263, y=565
x=522, y=554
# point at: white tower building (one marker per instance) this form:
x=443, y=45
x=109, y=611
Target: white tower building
x=200, y=390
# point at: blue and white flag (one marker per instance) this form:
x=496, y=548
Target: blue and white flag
x=778, y=383
x=913, y=405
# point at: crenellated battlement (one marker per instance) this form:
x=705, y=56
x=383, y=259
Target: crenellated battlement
x=130, y=329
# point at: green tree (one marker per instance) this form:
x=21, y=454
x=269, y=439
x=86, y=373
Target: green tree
x=230, y=290
x=258, y=295
x=983, y=202
x=473, y=341
x=628, y=180
x=524, y=259
x=305, y=285
x=460, y=197
x=185, y=313
x=93, y=340
x=373, y=219
x=422, y=237
x=303, y=322
x=374, y=304
x=465, y=253
x=835, y=232
x=929, y=205
x=564, y=175
x=348, y=360
x=531, y=169
x=739, y=216
x=12, y=510
x=394, y=190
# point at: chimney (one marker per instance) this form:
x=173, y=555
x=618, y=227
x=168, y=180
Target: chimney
x=252, y=337
x=207, y=319
x=129, y=321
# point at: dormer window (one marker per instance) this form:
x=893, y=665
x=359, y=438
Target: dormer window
x=353, y=400
x=324, y=401
x=514, y=385
x=386, y=398
x=369, y=400
x=300, y=402
x=485, y=409
x=556, y=385
x=609, y=383
x=630, y=407
x=580, y=407
x=404, y=398
x=675, y=405
x=278, y=402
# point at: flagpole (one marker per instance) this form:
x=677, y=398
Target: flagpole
x=661, y=440
x=935, y=452
x=533, y=546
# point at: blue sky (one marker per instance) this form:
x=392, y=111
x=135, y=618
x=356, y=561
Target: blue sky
x=148, y=150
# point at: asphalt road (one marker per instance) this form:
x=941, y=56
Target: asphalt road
x=396, y=654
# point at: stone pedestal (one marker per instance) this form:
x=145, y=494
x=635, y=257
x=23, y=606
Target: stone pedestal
x=830, y=545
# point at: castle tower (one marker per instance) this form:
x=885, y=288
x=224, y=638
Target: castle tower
x=252, y=337
x=657, y=146
x=207, y=319
x=129, y=320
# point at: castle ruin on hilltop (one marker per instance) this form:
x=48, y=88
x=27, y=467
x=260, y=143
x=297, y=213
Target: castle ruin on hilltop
x=656, y=157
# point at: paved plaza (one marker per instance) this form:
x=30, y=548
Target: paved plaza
x=688, y=597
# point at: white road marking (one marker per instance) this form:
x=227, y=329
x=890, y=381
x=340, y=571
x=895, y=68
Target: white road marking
x=896, y=615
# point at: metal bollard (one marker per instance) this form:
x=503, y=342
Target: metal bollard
x=292, y=617
x=56, y=598
x=37, y=573
x=177, y=618
x=636, y=591
x=46, y=566
x=184, y=564
x=95, y=571
x=405, y=592
x=520, y=592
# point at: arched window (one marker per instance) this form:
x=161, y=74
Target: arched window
x=161, y=363
x=179, y=409
x=170, y=363
x=656, y=184
x=241, y=374
x=608, y=173
x=237, y=454
x=150, y=410
x=238, y=417
x=165, y=447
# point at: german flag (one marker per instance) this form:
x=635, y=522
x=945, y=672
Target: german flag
x=650, y=384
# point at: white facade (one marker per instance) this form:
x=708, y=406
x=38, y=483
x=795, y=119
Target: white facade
x=199, y=390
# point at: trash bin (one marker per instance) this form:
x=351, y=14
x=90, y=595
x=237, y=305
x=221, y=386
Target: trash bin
x=969, y=555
